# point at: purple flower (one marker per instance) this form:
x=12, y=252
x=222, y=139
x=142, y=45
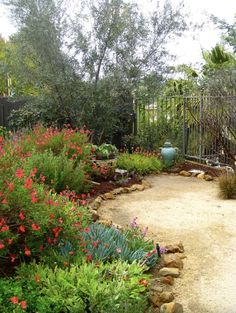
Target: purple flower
x=133, y=223
x=163, y=250
x=144, y=232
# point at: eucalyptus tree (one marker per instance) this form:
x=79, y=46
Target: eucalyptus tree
x=87, y=60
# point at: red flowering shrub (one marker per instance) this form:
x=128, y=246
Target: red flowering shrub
x=33, y=220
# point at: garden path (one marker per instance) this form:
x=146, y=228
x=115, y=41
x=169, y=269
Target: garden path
x=188, y=209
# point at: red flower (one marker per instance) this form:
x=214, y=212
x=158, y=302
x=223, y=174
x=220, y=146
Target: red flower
x=33, y=173
x=143, y=282
x=28, y=183
x=35, y=227
x=41, y=248
x=57, y=231
x=11, y=186
x=2, y=246
x=60, y=220
x=22, y=216
x=13, y=258
x=33, y=197
x=22, y=229
x=27, y=251
x=89, y=258
x=43, y=178
x=4, y=201
x=9, y=240
x=14, y=300
x=19, y=173
x=37, y=278
x=23, y=305
x=4, y=228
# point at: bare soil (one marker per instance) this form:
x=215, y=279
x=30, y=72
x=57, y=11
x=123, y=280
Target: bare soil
x=188, y=209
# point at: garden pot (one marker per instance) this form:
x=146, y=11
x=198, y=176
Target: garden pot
x=168, y=153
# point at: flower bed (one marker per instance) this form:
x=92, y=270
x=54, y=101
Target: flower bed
x=63, y=262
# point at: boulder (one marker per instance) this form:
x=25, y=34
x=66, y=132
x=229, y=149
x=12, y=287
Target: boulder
x=201, y=176
x=208, y=178
x=167, y=280
x=184, y=173
x=195, y=172
x=169, y=271
x=171, y=307
x=156, y=288
x=146, y=184
x=105, y=222
x=166, y=297
x=96, y=203
x=154, y=299
x=108, y=196
x=133, y=188
x=172, y=260
x=95, y=216
x=140, y=187
x=179, y=248
x=117, y=191
x=121, y=171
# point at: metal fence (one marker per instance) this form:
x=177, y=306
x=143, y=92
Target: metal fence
x=6, y=106
x=203, y=127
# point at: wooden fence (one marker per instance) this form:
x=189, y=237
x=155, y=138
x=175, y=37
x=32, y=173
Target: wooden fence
x=6, y=106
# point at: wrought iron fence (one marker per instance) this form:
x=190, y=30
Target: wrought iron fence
x=203, y=126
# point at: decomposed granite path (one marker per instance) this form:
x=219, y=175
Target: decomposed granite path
x=188, y=209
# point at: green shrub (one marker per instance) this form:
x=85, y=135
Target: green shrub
x=103, y=288
x=105, y=151
x=139, y=163
x=227, y=184
x=58, y=171
x=108, y=244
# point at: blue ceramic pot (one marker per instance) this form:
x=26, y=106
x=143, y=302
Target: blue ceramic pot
x=168, y=153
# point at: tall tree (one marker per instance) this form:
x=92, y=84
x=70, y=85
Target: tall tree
x=90, y=62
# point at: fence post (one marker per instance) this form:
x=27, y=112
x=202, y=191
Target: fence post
x=201, y=121
x=184, y=126
x=135, y=117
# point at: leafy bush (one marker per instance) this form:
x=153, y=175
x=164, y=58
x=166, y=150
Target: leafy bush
x=115, y=287
x=108, y=244
x=139, y=163
x=58, y=171
x=105, y=151
x=227, y=184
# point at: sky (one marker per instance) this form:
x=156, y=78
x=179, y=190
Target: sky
x=188, y=48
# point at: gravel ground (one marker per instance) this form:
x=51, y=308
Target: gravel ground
x=189, y=210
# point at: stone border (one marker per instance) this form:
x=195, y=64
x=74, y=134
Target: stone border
x=96, y=203
x=161, y=295
x=199, y=174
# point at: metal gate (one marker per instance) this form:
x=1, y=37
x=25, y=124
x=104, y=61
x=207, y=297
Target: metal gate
x=203, y=127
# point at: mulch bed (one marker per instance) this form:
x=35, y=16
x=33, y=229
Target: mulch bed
x=108, y=186
x=188, y=165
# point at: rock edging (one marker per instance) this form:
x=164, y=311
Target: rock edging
x=96, y=203
x=198, y=174
x=161, y=294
